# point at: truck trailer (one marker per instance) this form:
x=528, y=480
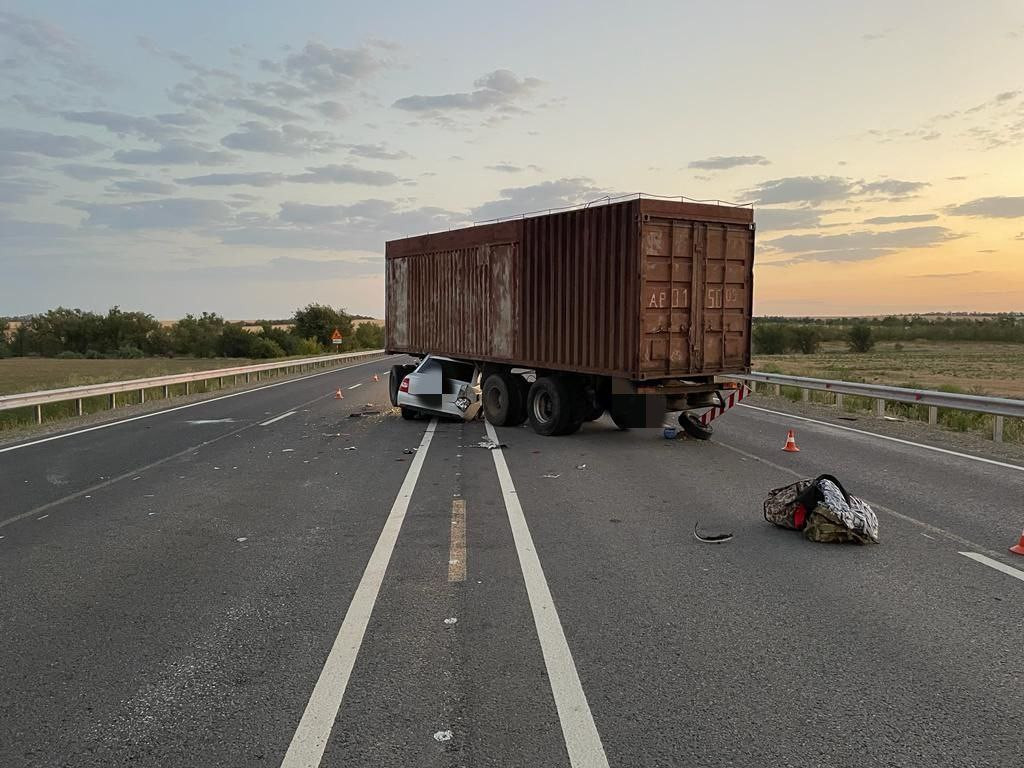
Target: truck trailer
x=635, y=307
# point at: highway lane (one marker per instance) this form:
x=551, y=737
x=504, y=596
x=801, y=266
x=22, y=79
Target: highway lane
x=184, y=618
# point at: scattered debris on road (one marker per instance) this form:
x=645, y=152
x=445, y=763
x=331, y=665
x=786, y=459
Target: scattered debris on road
x=581, y=466
x=711, y=538
x=408, y=450
x=240, y=539
x=443, y=736
x=350, y=448
x=490, y=445
x=451, y=620
x=551, y=476
x=287, y=450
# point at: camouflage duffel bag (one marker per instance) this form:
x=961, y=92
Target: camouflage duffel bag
x=823, y=510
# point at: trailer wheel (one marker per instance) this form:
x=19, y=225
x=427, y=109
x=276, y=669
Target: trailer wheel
x=694, y=428
x=503, y=400
x=549, y=406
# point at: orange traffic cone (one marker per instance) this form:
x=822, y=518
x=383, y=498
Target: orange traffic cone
x=1018, y=549
x=338, y=395
x=790, y=446
x=376, y=377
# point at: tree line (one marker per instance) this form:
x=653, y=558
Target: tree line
x=779, y=335
x=74, y=333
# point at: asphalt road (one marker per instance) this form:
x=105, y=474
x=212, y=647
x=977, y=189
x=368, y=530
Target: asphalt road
x=217, y=586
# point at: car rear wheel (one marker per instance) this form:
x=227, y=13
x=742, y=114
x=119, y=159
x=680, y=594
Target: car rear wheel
x=549, y=406
x=409, y=414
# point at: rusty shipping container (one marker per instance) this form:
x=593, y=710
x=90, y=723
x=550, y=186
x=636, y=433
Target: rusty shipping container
x=644, y=289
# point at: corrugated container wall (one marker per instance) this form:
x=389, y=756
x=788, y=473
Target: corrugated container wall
x=643, y=289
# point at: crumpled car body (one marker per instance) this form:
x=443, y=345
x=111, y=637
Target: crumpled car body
x=440, y=386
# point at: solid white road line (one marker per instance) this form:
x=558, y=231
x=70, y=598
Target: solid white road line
x=107, y=424
x=582, y=740
x=268, y=422
x=1001, y=567
x=946, y=451
x=356, y=386
x=310, y=740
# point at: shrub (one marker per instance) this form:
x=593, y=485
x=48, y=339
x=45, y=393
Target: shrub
x=308, y=347
x=235, y=342
x=771, y=338
x=92, y=354
x=130, y=353
x=261, y=347
x=806, y=339
x=69, y=355
x=861, y=338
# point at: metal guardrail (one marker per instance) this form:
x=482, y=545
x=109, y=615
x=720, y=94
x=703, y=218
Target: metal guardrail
x=999, y=407
x=114, y=388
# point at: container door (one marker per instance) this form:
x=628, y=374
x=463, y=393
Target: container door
x=727, y=256
x=667, y=345
x=697, y=297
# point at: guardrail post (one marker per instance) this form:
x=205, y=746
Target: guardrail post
x=113, y=400
x=933, y=415
x=142, y=396
x=879, y=407
x=186, y=389
x=78, y=407
x=167, y=391
x=247, y=378
x=39, y=414
x=777, y=389
x=997, y=430
x=220, y=382
x=805, y=395
x=839, y=400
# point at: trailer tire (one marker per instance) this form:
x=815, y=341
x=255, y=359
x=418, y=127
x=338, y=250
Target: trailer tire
x=503, y=400
x=410, y=414
x=694, y=428
x=550, y=406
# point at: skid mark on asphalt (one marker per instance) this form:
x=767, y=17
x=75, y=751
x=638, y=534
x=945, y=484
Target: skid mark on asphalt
x=457, y=549
x=1001, y=567
x=307, y=746
x=899, y=515
x=582, y=741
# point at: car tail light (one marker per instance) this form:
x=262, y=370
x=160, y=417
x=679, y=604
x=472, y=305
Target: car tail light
x=404, y=386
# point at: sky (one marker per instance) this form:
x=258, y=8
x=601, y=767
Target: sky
x=250, y=159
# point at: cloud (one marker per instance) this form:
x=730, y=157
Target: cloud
x=344, y=174
x=940, y=275
x=957, y=178
x=537, y=197
x=989, y=208
x=814, y=190
x=92, y=172
x=801, y=189
x=252, y=179
x=721, y=163
x=504, y=168
x=174, y=153
x=280, y=90
x=143, y=187
x=334, y=110
x=776, y=219
x=37, y=41
x=499, y=88
x=906, y=219
x=328, y=70
x=894, y=189
x=49, y=144
x=872, y=36
x=288, y=140
x=268, y=111
x=124, y=125
x=9, y=160
x=19, y=190
x=186, y=62
x=169, y=213
x=857, y=246
x=377, y=152
x=22, y=230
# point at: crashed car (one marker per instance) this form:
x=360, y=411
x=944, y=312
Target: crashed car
x=437, y=386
